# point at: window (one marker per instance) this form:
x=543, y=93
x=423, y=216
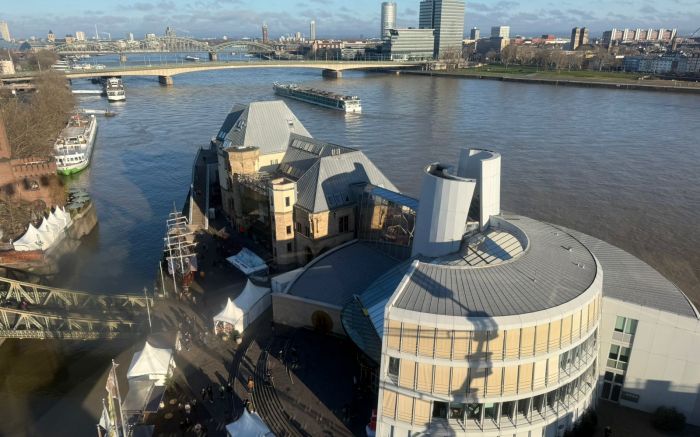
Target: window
x=298, y=227
x=628, y=326
x=457, y=411
x=507, y=409
x=491, y=411
x=344, y=224
x=440, y=410
x=286, y=201
x=474, y=412
x=618, y=357
x=393, y=369
x=289, y=247
x=289, y=230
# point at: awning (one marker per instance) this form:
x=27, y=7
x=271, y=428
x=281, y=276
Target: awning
x=138, y=396
x=247, y=261
x=249, y=425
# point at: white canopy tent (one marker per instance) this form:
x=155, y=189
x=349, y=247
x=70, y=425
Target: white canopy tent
x=151, y=363
x=47, y=236
x=243, y=310
x=63, y=215
x=55, y=224
x=31, y=240
x=247, y=262
x=248, y=425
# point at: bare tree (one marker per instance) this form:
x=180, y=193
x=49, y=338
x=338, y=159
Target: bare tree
x=509, y=54
x=33, y=123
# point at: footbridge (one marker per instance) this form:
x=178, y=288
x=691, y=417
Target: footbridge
x=166, y=72
x=30, y=310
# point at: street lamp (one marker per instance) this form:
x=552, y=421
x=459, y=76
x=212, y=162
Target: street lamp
x=148, y=309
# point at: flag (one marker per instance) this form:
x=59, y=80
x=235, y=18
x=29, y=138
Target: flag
x=111, y=385
x=105, y=420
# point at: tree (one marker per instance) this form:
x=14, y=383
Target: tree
x=33, y=122
x=509, y=54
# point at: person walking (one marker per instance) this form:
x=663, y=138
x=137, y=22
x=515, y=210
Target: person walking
x=204, y=394
x=210, y=393
x=251, y=384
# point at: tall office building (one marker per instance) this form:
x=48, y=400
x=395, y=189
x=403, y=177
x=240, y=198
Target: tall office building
x=80, y=35
x=265, y=33
x=447, y=18
x=500, y=32
x=474, y=34
x=4, y=31
x=388, y=18
x=579, y=37
x=312, y=30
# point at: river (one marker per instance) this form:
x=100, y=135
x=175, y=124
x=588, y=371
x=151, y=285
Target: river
x=620, y=165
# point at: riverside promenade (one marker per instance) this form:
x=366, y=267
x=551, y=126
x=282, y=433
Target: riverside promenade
x=673, y=86
x=304, y=381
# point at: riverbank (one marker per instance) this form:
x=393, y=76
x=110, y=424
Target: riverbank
x=625, y=82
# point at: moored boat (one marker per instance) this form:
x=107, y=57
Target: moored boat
x=73, y=148
x=114, y=88
x=319, y=97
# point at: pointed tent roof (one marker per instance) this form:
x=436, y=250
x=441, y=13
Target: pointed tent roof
x=230, y=314
x=54, y=223
x=249, y=425
x=28, y=241
x=47, y=235
x=150, y=361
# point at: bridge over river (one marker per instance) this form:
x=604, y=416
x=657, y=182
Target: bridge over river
x=165, y=72
x=30, y=310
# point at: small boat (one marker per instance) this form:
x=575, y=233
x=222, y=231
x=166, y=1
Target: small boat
x=323, y=98
x=191, y=58
x=114, y=88
x=74, y=145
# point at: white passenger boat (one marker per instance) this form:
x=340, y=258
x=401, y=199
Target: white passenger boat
x=319, y=97
x=191, y=58
x=74, y=145
x=114, y=88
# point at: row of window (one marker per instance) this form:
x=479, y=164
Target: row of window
x=489, y=382
x=343, y=226
x=496, y=414
x=492, y=345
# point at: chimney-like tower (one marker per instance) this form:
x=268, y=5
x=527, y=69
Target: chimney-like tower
x=485, y=167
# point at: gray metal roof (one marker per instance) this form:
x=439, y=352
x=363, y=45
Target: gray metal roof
x=335, y=277
x=266, y=125
x=554, y=269
x=324, y=173
x=629, y=279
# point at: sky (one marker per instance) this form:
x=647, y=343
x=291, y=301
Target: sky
x=334, y=18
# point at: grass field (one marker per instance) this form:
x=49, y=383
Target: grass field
x=534, y=72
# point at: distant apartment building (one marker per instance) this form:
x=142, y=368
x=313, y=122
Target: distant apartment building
x=6, y=67
x=474, y=34
x=626, y=36
x=5, y=31
x=388, y=18
x=80, y=36
x=674, y=63
x=500, y=32
x=289, y=191
x=70, y=39
x=579, y=37
x=410, y=44
x=446, y=17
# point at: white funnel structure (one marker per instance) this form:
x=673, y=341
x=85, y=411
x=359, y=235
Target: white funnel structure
x=442, y=215
x=485, y=167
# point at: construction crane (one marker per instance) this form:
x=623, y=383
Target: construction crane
x=695, y=33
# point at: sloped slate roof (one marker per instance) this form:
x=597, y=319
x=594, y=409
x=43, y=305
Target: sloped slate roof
x=266, y=125
x=629, y=279
x=324, y=172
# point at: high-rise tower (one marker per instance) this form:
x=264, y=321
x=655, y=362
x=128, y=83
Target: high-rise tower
x=447, y=18
x=265, y=33
x=312, y=30
x=388, y=18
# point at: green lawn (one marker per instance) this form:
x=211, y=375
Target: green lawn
x=534, y=72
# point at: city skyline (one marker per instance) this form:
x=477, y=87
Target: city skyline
x=240, y=18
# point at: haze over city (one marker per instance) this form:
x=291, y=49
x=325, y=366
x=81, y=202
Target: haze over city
x=335, y=18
